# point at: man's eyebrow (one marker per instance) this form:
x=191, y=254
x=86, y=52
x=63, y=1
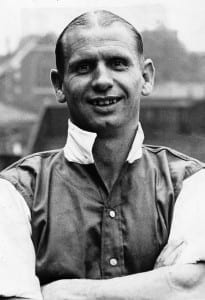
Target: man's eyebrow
x=76, y=62
x=82, y=57
x=118, y=55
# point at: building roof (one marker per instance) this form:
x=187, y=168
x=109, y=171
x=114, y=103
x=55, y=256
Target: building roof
x=10, y=114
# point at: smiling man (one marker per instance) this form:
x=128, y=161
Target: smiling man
x=106, y=217
x=102, y=77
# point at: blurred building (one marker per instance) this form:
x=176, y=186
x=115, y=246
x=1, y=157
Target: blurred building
x=24, y=74
x=15, y=130
x=177, y=123
x=24, y=89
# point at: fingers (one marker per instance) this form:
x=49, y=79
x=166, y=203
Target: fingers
x=170, y=254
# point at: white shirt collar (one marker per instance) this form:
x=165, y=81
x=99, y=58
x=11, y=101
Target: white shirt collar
x=79, y=144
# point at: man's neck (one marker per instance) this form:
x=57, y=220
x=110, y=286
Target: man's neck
x=110, y=152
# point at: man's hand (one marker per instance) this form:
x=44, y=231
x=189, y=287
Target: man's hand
x=170, y=254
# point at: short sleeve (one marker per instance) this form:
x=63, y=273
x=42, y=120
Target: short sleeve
x=17, y=256
x=188, y=223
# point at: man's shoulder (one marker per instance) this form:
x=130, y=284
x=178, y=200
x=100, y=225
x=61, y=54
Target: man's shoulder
x=169, y=153
x=33, y=160
x=176, y=161
x=24, y=173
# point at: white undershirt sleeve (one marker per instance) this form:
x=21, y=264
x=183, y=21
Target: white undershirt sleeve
x=17, y=256
x=188, y=223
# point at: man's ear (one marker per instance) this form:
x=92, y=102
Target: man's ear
x=148, y=75
x=57, y=82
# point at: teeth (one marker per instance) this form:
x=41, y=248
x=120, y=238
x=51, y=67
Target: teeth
x=105, y=102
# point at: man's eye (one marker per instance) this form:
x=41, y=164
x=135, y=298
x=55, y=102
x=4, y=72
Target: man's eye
x=118, y=64
x=83, y=68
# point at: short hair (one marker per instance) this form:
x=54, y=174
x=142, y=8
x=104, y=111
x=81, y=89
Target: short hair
x=103, y=18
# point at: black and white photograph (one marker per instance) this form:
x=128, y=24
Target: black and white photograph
x=102, y=149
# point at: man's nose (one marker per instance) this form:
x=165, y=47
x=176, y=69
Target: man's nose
x=102, y=78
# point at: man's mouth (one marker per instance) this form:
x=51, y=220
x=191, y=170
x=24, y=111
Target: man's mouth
x=104, y=101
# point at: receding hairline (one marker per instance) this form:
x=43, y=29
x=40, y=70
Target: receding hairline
x=97, y=18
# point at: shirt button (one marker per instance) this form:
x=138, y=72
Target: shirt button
x=112, y=214
x=113, y=262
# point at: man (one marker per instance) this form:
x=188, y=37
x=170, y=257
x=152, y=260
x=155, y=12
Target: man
x=106, y=217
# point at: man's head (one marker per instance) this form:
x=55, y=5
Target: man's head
x=88, y=20
x=101, y=72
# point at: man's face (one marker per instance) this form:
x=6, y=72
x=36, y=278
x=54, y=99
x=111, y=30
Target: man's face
x=102, y=79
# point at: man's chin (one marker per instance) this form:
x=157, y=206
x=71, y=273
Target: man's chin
x=108, y=127
x=102, y=124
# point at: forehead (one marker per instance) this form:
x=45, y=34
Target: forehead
x=116, y=37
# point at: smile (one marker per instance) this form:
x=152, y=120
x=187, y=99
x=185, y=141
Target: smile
x=104, y=101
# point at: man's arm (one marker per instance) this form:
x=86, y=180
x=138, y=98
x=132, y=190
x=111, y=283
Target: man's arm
x=178, y=282
x=17, y=255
